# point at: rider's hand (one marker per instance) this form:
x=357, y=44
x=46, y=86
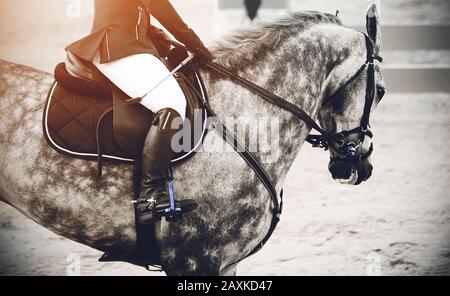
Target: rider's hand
x=167, y=16
x=202, y=56
x=196, y=46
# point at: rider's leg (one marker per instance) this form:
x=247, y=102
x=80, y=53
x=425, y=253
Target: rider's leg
x=156, y=159
x=168, y=103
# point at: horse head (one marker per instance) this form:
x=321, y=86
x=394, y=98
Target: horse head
x=352, y=98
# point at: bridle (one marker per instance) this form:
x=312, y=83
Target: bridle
x=348, y=151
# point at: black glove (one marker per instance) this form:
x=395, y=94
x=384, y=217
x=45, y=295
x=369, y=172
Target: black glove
x=202, y=56
x=167, y=16
x=196, y=46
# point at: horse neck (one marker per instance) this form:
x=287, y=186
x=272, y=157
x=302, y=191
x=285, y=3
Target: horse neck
x=297, y=70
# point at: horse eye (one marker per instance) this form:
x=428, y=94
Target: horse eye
x=380, y=92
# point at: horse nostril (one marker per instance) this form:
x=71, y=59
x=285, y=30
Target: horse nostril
x=340, y=169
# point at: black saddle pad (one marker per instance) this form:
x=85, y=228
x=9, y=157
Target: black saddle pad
x=81, y=120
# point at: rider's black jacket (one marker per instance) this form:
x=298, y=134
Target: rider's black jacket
x=122, y=28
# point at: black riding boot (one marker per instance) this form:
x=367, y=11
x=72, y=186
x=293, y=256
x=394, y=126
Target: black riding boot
x=156, y=159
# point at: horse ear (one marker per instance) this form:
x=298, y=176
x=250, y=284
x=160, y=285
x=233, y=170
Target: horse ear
x=373, y=26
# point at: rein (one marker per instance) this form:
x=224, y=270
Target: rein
x=268, y=96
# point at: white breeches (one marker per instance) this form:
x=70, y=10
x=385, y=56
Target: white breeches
x=137, y=74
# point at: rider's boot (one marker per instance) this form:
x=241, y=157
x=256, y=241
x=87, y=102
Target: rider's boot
x=156, y=159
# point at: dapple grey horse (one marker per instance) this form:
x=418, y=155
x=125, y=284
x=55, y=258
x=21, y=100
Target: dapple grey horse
x=303, y=58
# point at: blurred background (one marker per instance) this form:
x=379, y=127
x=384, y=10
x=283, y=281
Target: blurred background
x=396, y=224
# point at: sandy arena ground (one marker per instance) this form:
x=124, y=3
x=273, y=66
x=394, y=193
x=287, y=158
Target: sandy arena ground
x=396, y=224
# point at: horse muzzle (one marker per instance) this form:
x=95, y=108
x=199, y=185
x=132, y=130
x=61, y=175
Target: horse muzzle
x=350, y=172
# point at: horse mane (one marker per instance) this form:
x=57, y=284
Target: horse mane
x=239, y=47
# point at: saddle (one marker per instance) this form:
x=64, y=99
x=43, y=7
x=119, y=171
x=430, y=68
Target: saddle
x=83, y=119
